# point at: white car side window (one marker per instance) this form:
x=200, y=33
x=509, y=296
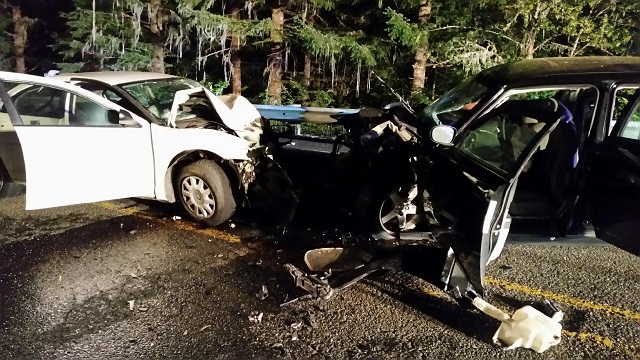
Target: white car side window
x=86, y=112
x=44, y=105
x=40, y=105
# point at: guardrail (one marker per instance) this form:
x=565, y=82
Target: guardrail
x=306, y=122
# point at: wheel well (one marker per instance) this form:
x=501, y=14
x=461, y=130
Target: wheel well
x=4, y=173
x=390, y=165
x=187, y=157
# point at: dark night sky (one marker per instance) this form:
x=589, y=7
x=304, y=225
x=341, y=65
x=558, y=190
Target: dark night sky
x=40, y=57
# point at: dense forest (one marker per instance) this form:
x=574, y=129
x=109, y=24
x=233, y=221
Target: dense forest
x=312, y=52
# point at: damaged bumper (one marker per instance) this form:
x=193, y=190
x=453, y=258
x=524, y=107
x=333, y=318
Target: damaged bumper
x=267, y=188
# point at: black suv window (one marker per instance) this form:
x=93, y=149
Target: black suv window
x=631, y=129
x=501, y=139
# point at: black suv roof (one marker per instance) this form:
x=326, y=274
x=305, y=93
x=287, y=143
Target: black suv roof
x=562, y=70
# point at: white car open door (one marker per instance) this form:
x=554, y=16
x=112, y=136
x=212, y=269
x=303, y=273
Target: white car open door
x=88, y=150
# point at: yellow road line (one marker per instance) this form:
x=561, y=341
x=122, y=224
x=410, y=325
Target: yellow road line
x=585, y=304
x=631, y=350
x=437, y=294
x=584, y=337
x=179, y=224
x=597, y=339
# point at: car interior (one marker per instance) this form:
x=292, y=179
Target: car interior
x=37, y=106
x=549, y=180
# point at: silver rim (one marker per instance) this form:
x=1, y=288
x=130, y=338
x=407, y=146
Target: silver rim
x=398, y=212
x=198, y=197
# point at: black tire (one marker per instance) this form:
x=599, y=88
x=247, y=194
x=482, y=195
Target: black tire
x=207, y=186
x=7, y=187
x=375, y=200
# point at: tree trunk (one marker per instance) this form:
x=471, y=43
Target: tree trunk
x=421, y=59
x=19, y=37
x=531, y=33
x=274, y=92
x=236, y=63
x=529, y=44
x=308, y=66
x=154, y=11
x=307, y=71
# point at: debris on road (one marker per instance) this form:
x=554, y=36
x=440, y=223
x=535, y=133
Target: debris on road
x=310, y=319
x=232, y=225
x=303, y=297
x=133, y=232
x=185, y=333
x=143, y=309
x=283, y=351
x=527, y=328
x=201, y=329
x=131, y=304
x=263, y=293
x=256, y=317
x=176, y=217
x=256, y=263
x=296, y=325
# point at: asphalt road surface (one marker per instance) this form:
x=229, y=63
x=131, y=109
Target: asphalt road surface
x=124, y=280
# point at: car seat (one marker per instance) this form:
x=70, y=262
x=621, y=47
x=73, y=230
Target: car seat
x=542, y=189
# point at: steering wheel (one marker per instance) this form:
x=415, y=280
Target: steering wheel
x=44, y=106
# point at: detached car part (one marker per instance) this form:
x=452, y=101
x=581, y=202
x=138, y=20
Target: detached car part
x=527, y=327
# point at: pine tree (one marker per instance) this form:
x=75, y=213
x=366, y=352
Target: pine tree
x=21, y=25
x=275, y=63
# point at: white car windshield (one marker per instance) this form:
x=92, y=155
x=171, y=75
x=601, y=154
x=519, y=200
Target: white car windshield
x=157, y=96
x=453, y=105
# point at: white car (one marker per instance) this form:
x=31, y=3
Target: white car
x=100, y=136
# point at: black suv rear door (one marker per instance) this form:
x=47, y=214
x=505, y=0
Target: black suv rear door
x=614, y=182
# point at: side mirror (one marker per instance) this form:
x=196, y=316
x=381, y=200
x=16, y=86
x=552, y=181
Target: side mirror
x=113, y=117
x=121, y=117
x=443, y=134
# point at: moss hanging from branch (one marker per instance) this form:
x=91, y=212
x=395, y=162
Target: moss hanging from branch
x=333, y=47
x=213, y=32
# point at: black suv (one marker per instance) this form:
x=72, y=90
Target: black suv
x=549, y=142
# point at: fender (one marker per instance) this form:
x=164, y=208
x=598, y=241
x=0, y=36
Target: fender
x=169, y=143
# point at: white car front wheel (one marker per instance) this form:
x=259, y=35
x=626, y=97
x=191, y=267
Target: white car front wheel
x=204, y=191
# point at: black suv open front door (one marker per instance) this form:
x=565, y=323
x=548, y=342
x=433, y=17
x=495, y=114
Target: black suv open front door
x=476, y=181
x=614, y=182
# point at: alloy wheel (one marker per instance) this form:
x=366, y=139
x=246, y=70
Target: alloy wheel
x=398, y=212
x=198, y=197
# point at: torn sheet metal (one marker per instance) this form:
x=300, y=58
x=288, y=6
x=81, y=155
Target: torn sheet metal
x=268, y=189
x=527, y=327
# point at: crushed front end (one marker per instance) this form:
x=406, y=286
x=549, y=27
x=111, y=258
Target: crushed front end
x=267, y=188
